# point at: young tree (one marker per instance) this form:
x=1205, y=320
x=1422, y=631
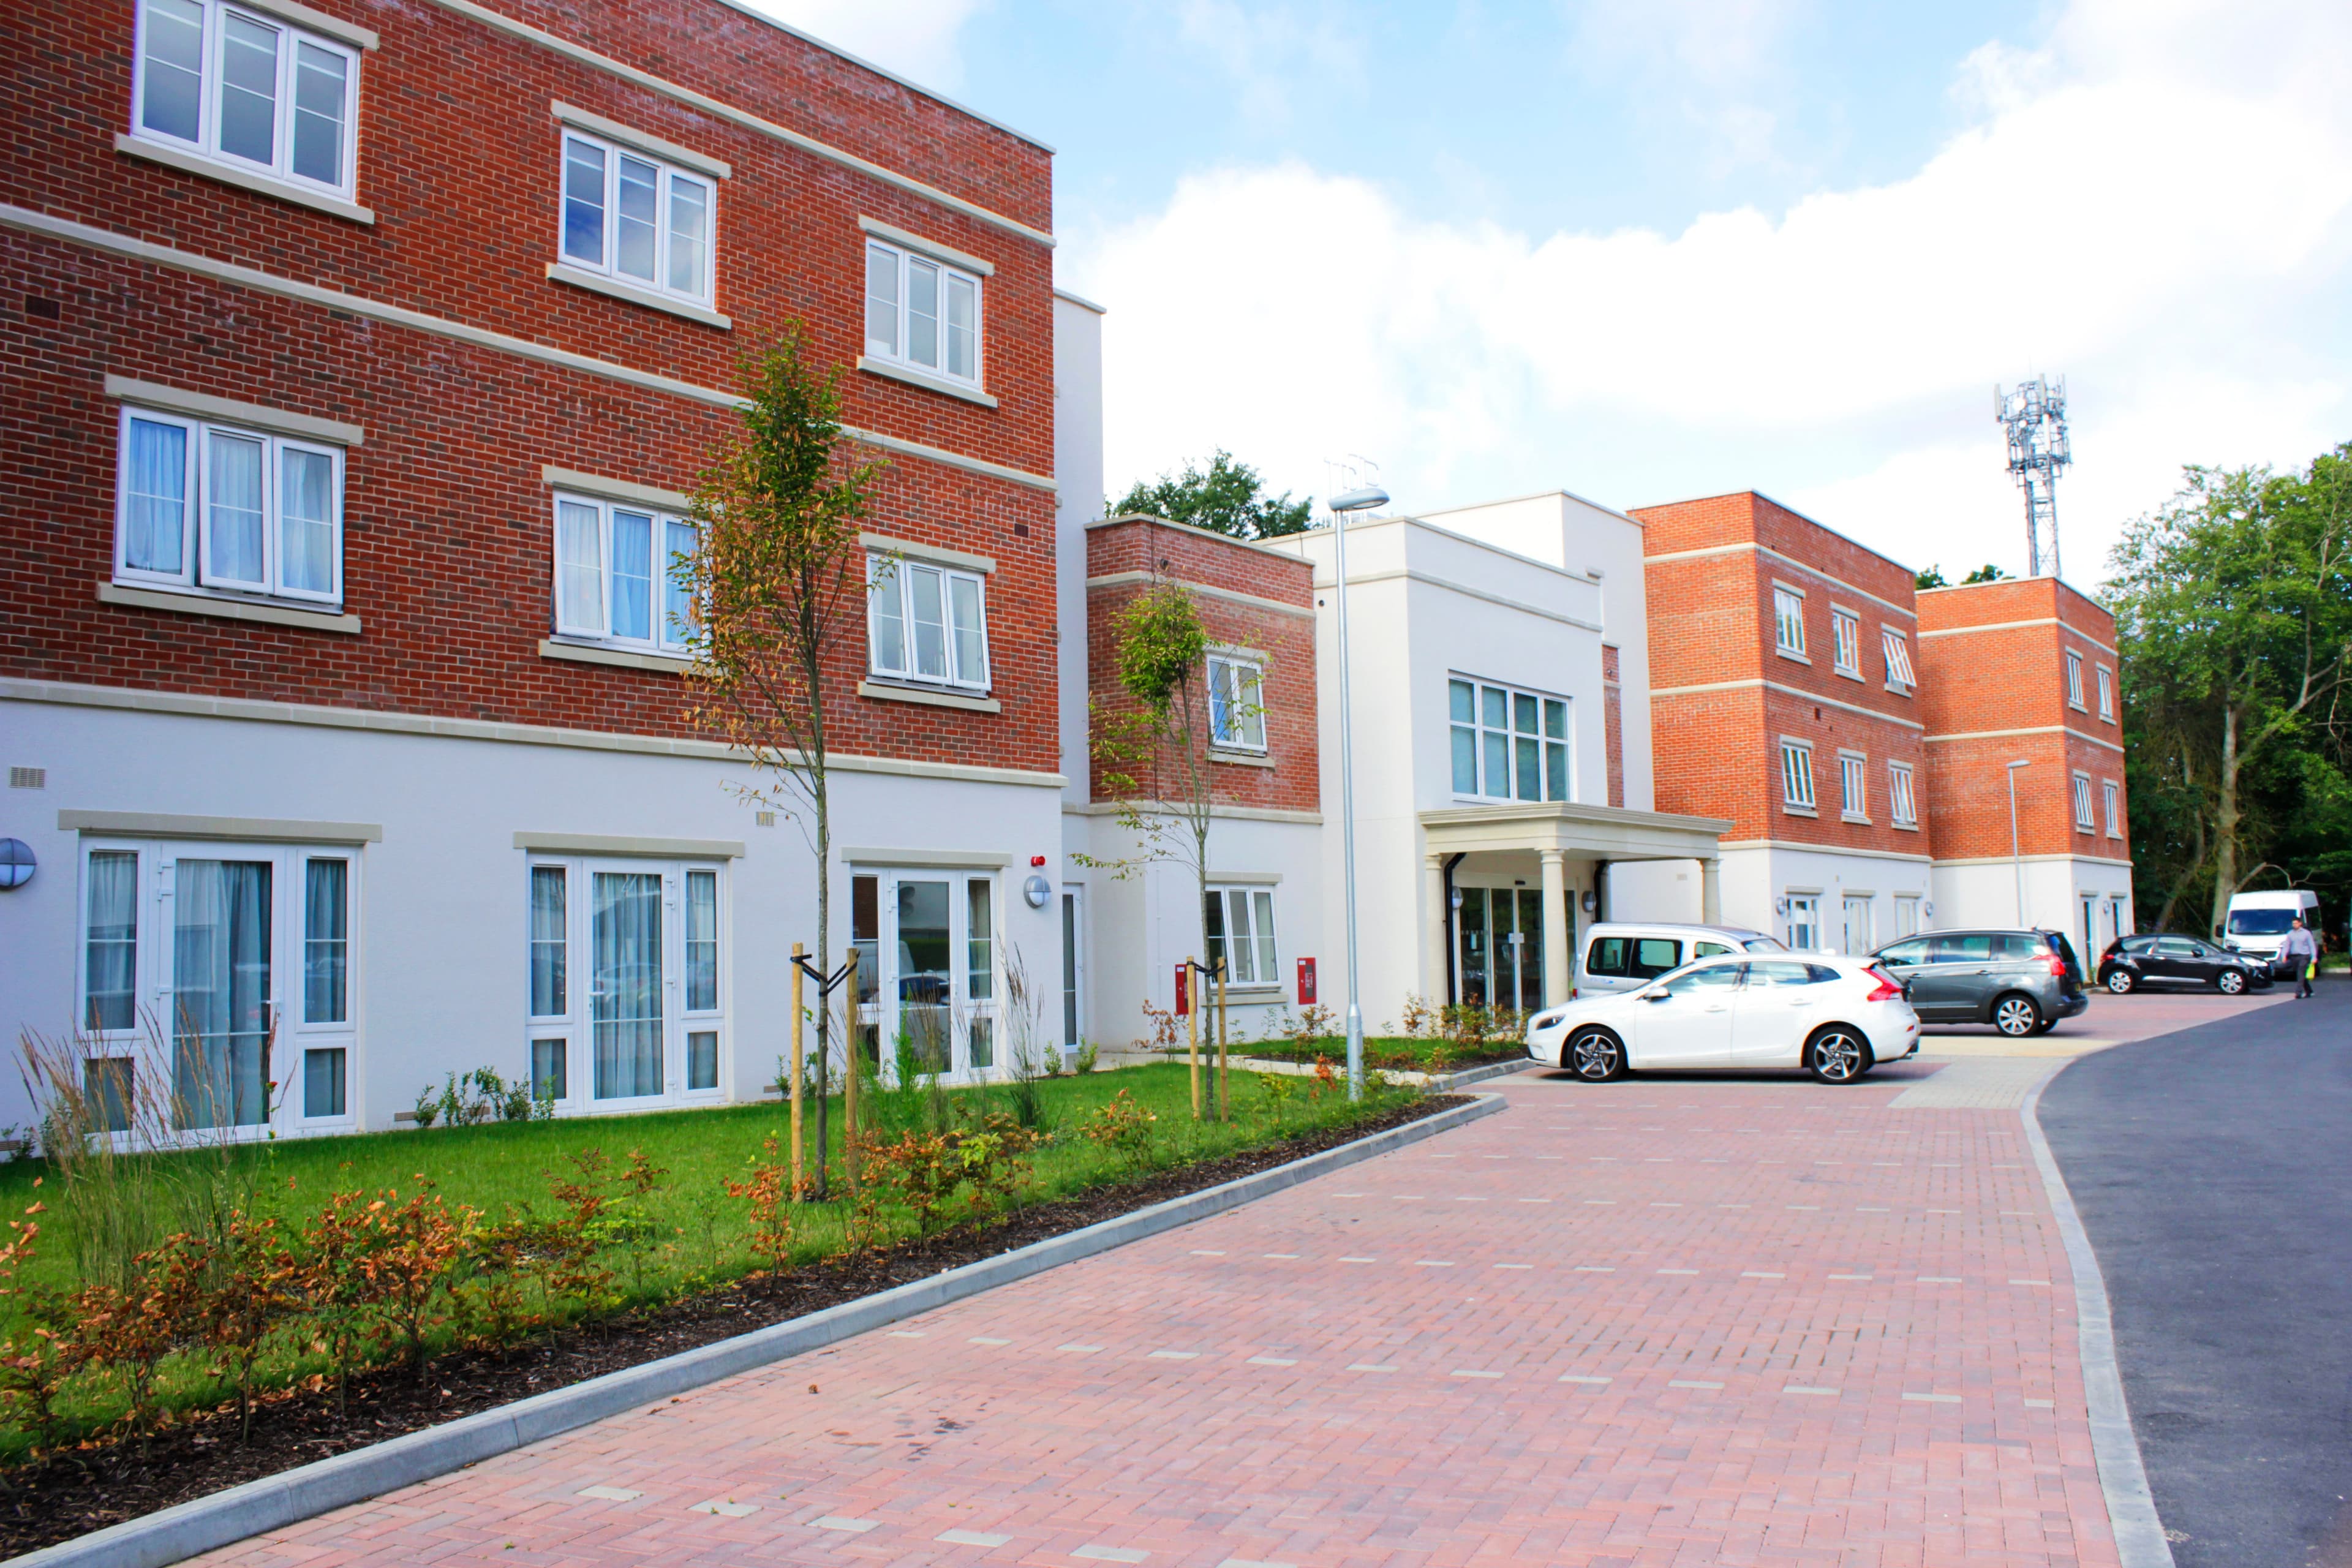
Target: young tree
x=1227, y=496
x=2233, y=610
x=776, y=568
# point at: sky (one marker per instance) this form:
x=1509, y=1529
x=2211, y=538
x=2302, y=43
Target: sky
x=1646, y=250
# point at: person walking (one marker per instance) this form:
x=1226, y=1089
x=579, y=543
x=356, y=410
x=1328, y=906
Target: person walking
x=2302, y=952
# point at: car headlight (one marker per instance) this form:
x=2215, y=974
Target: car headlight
x=1546, y=1020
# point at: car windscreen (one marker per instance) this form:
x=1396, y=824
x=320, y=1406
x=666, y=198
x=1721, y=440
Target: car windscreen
x=2261, y=922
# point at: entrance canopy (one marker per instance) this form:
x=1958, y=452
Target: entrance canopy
x=1557, y=832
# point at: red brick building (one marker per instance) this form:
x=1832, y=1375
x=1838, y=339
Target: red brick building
x=358, y=360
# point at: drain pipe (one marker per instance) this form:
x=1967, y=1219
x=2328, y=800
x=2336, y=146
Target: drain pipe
x=1451, y=861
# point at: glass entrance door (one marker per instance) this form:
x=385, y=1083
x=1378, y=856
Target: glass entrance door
x=625, y=989
x=221, y=993
x=929, y=939
x=1499, y=947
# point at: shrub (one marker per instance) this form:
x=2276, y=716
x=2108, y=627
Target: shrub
x=1279, y=1088
x=1125, y=1129
x=772, y=1223
x=250, y=1291
x=1313, y=1022
x=1086, y=1057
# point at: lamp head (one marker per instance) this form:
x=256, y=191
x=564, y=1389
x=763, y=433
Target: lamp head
x=1360, y=499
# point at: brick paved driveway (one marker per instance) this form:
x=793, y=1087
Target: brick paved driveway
x=1663, y=1322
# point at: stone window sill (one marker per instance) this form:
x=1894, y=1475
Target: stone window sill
x=243, y=179
x=1242, y=759
x=1786, y=810
x=915, y=377
x=1853, y=675
x=1792, y=657
x=183, y=602
x=883, y=692
x=651, y=299
x=1244, y=994
x=618, y=658
x=1905, y=826
x=1855, y=818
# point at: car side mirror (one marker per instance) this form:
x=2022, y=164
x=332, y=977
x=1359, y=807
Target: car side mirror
x=1654, y=995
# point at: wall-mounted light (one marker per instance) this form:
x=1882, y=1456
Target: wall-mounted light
x=1592, y=900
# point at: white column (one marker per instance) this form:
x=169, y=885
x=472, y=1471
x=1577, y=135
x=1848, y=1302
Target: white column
x=1432, y=942
x=1555, y=926
x=1710, y=892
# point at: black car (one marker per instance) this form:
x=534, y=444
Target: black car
x=2020, y=982
x=2133, y=962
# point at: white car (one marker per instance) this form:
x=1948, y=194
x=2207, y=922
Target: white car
x=1836, y=1018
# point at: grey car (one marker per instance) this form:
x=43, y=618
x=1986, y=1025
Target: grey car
x=2020, y=982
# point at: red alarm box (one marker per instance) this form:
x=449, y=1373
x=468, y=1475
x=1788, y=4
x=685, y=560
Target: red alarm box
x=1183, y=989
x=1305, y=982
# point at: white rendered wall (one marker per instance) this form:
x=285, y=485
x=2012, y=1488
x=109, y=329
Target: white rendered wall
x=1657, y=890
x=1984, y=893
x=439, y=934
x=1764, y=876
x=1078, y=500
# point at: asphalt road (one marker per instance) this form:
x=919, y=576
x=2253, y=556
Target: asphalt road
x=2213, y=1171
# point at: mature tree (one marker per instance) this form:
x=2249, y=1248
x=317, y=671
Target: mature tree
x=1988, y=573
x=1227, y=496
x=2233, y=610
x=1933, y=577
x=777, y=570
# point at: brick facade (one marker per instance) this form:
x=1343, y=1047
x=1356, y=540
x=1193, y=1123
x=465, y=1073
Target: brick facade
x=1992, y=667
x=1724, y=695
x=447, y=553
x=1247, y=598
x=1614, y=722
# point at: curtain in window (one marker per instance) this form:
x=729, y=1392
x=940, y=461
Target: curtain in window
x=156, y=521
x=633, y=574
x=1262, y=930
x=318, y=97
x=881, y=301
x=626, y=983
x=111, y=975
x=889, y=618
x=306, y=520
x=579, y=567
x=220, y=973
x=926, y=609
x=963, y=328
x=689, y=208
x=701, y=942
x=634, y=233
x=232, y=477
x=679, y=546
x=548, y=942
x=970, y=631
x=922, y=313
x=326, y=948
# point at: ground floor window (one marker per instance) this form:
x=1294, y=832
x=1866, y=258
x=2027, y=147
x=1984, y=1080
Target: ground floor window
x=1804, y=922
x=1239, y=923
x=927, y=963
x=639, y=1018
x=1857, y=934
x=218, y=983
x=1906, y=914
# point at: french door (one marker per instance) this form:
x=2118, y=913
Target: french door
x=928, y=940
x=1499, y=956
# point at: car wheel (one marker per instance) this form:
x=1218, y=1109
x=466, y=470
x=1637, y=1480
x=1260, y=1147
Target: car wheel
x=2016, y=1015
x=2230, y=982
x=1594, y=1054
x=2046, y=1026
x=1837, y=1054
x=2119, y=981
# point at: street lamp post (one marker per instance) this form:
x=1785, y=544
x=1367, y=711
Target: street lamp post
x=2016, y=861
x=1341, y=505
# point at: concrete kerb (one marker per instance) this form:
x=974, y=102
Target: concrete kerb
x=2131, y=1507
x=273, y=1502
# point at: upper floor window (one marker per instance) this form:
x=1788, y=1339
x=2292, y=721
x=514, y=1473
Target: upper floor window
x=921, y=312
x=1898, y=659
x=2114, y=793
x=1797, y=775
x=1788, y=620
x=1509, y=745
x=1236, y=703
x=2082, y=822
x=243, y=88
x=1848, y=628
x=2106, y=694
x=927, y=623
x=2074, y=680
x=1901, y=807
x=616, y=574
x=200, y=504
x=1853, y=786
x=638, y=219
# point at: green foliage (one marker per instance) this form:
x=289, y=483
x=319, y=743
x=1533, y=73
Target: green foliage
x=1227, y=496
x=1933, y=577
x=1162, y=649
x=1988, y=573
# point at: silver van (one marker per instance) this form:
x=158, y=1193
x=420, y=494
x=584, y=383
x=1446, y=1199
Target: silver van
x=1622, y=955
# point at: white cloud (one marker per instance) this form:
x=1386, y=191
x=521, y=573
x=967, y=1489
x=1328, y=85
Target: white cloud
x=917, y=39
x=2153, y=205
x=1268, y=51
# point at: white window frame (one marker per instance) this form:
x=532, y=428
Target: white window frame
x=1244, y=676
x=576, y=1024
x=1906, y=915
x=2113, y=794
x=1263, y=961
x=1853, y=786
x=1902, y=805
x=2075, y=682
x=668, y=177
x=196, y=575
x=903, y=262
x=664, y=636
x=1549, y=747
x=1896, y=649
x=891, y=582
x=2084, y=821
x=1797, y=776
x=154, y=953
x=1788, y=621
x=1845, y=626
x=206, y=143
x=1804, y=914
x=2106, y=694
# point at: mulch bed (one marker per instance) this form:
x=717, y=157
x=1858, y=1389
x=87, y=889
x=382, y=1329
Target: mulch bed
x=74, y=1492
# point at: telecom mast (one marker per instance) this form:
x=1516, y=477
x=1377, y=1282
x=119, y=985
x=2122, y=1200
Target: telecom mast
x=2035, y=418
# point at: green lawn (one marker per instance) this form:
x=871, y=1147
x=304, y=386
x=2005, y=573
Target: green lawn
x=693, y=1235
x=1402, y=1053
